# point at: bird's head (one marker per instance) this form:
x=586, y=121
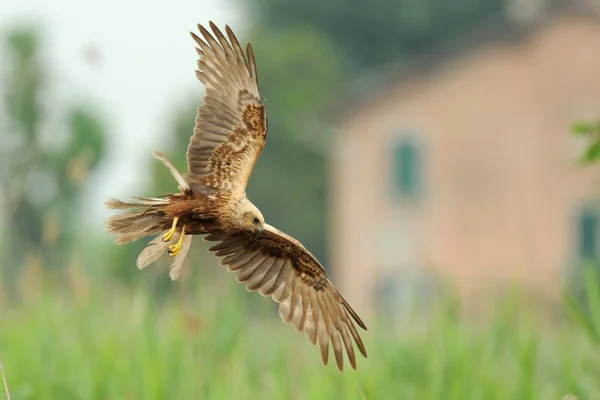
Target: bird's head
x=251, y=218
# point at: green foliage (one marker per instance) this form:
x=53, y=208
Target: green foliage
x=112, y=344
x=583, y=301
x=586, y=128
x=590, y=131
x=371, y=34
x=44, y=166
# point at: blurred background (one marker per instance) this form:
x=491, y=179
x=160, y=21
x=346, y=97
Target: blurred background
x=420, y=149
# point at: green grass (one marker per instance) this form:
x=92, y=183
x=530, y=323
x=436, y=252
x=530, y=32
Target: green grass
x=108, y=343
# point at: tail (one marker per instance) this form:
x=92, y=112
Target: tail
x=145, y=217
x=142, y=218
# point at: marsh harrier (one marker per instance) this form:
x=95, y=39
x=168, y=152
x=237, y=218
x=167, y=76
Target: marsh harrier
x=230, y=132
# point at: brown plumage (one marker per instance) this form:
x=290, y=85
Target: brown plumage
x=230, y=132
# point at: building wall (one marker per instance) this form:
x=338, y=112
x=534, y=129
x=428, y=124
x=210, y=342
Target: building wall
x=500, y=187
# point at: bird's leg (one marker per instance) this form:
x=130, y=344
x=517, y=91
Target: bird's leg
x=171, y=232
x=174, y=248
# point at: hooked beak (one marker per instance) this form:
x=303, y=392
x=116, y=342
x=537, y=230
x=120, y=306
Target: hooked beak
x=259, y=228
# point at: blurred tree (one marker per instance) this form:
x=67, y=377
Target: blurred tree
x=43, y=167
x=373, y=33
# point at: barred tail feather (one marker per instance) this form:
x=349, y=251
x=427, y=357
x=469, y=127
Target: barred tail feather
x=152, y=252
x=175, y=268
x=143, y=218
x=157, y=248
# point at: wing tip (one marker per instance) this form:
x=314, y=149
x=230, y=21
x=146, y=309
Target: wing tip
x=324, y=353
x=207, y=35
x=351, y=311
x=340, y=363
x=353, y=364
x=201, y=29
x=361, y=323
x=363, y=351
x=228, y=30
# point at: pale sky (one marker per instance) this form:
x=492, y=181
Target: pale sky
x=145, y=70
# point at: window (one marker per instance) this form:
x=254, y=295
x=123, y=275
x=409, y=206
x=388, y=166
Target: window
x=407, y=168
x=588, y=235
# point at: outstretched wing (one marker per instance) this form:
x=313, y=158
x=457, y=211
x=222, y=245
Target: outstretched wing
x=279, y=266
x=231, y=125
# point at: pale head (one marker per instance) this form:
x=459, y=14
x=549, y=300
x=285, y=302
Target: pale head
x=250, y=218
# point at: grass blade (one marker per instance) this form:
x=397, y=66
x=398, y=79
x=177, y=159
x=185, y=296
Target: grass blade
x=4, y=380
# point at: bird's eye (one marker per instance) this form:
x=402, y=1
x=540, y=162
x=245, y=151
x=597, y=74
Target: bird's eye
x=255, y=220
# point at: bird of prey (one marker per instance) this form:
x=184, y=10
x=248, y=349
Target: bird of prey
x=230, y=132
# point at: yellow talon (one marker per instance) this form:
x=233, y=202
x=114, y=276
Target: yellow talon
x=169, y=235
x=174, y=248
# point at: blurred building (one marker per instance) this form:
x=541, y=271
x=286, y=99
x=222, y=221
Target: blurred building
x=460, y=166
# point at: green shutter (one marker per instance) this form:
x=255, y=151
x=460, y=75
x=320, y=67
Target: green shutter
x=588, y=235
x=407, y=168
